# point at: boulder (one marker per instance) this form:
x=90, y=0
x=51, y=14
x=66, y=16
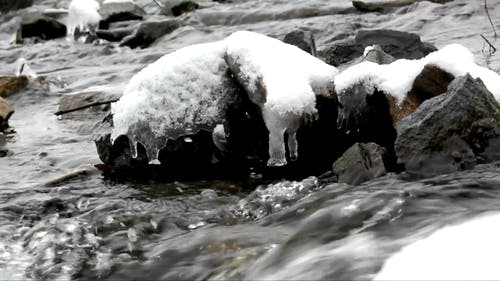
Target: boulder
x=12, y=84
x=119, y=11
x=449, y=132
x=11, y=5
x=184, y=7
x=148, y=32
x=384, y=5
x=303, y=40
x=395, y=43
x=360, y=163
x=5, y=112
x=38, y=25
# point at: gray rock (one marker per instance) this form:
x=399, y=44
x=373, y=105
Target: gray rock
x=303, y=40
x=374, y=54
x=362, y=162
x=83, y=100
x=148, y=32
x=395, y=43
x=447, y=133
x=114, y=35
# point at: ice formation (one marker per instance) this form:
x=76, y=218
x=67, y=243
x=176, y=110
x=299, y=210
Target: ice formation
x=181, y=93
x=283, y=80
x=84, y=15
x=468, y=251
x=397, y=78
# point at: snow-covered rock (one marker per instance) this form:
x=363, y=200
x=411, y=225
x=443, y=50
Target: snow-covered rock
x=284, y=81
x=83, y=15
x=397, y=78
x=179, y=94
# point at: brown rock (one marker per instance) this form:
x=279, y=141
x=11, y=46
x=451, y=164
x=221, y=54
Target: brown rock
x=5, y=111
x=431, y=82
x=12, y=84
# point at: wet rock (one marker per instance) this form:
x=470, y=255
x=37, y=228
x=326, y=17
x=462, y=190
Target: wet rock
x=12, y=84
x=431, y=82
x=11, y=5
x=5, y=112
x=362, y=162
x=114, y=35
x=303, y=40
x=449, y=132
x=148, y=32
x=366, y=116
x=83, y=100
x=395, y=43
x=384, y=5
x=119, y=11
x=38, y=25
x=184, y=7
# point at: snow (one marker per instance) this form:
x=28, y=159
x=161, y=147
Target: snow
x=84, y=15
x=283, y=80
x=468, y=251
x=397, y=78
x=181, y=93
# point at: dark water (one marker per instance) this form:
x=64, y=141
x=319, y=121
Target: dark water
x=91, y=227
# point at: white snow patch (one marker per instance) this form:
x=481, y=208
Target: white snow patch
x=468, y=251
x=397, y=78
x=283, y=80
x=84, y=15
x=179, y=94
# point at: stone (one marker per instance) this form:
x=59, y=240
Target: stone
x=6, y=112
x=184, y=7
x=373, y=54
x=360, y=163
x=12, y=84
x=38, y=25
x=11, y=5
x=461, y=121
x=86, y=99
x=384, y=5
x=148, y=32
x=305, y=41
x=119, y=11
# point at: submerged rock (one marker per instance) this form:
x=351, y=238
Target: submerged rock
x=12, y=84
x=383, y=5
x=184, y=7
x=113, y=11
x=448, y=132
x=362, y=162
x=148, y=32
x=5, y=112
x=38, y=25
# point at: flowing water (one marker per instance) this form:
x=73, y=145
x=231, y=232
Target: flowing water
x=91, y=227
